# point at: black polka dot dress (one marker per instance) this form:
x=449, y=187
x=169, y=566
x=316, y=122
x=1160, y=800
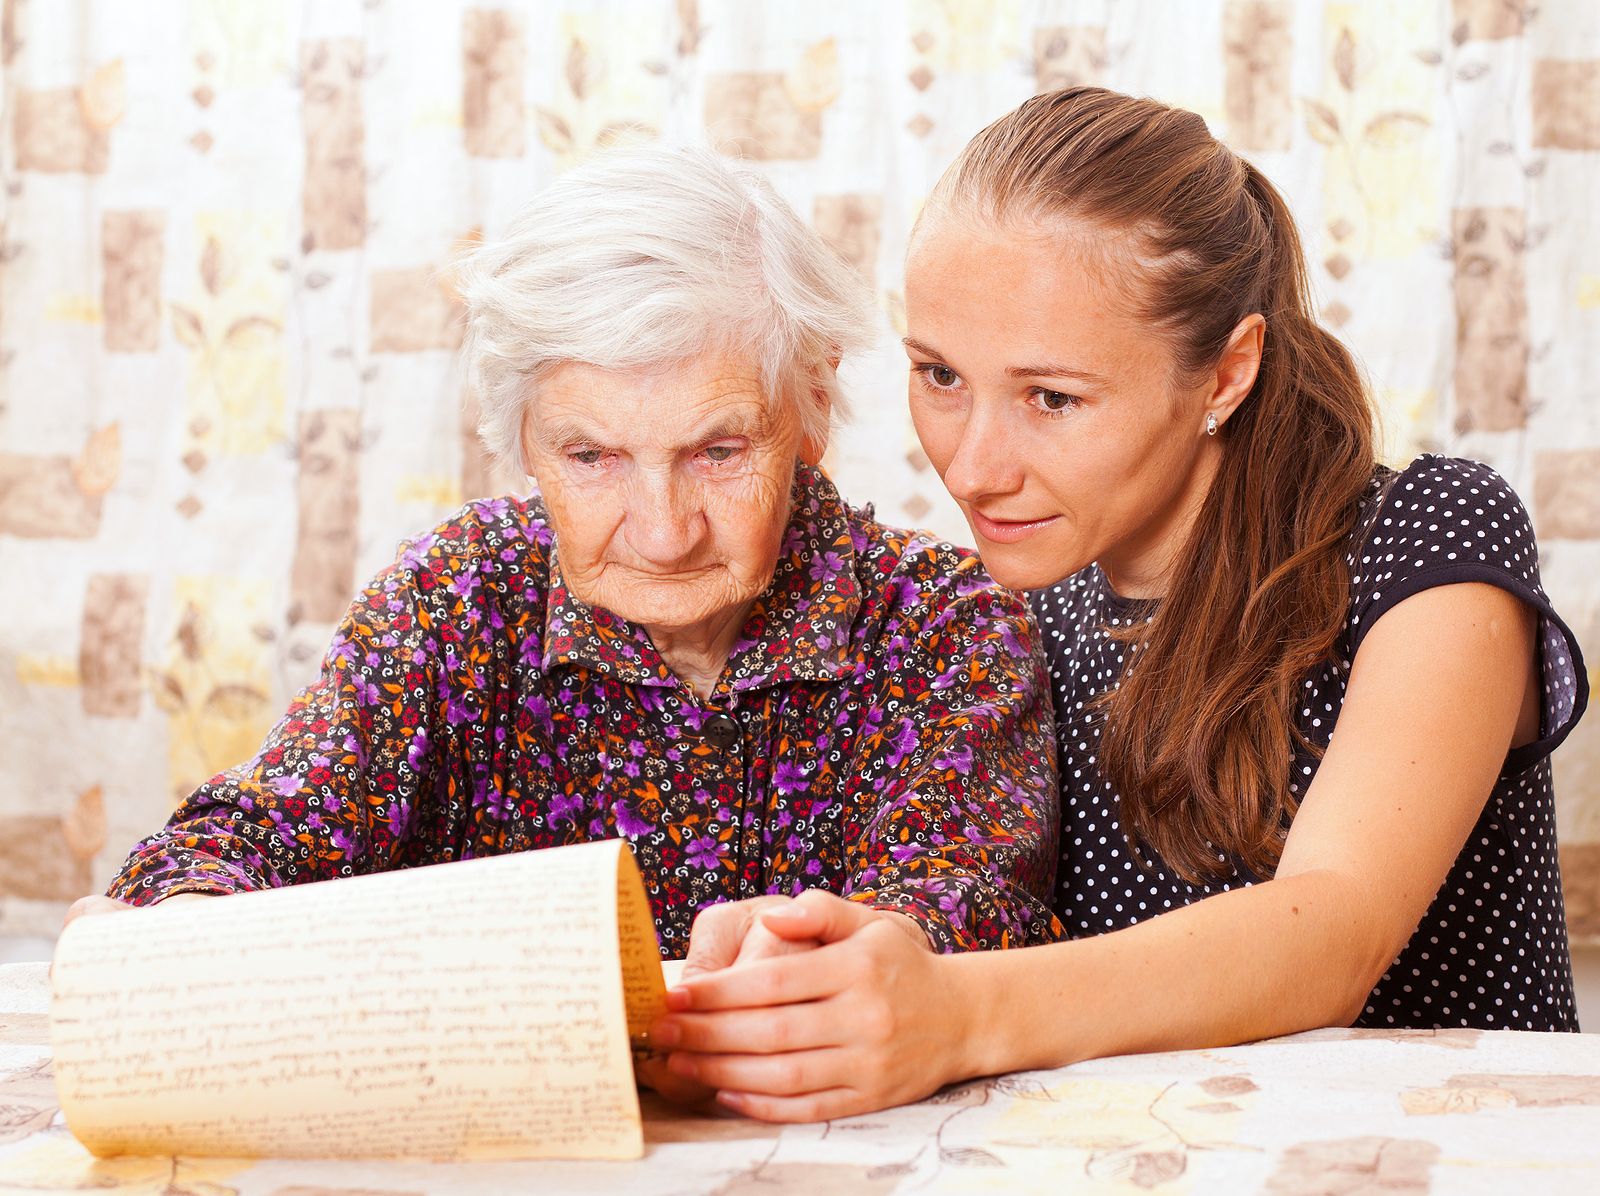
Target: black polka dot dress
x=1491, y=951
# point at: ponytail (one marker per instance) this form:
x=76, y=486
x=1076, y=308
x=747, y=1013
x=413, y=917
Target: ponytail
x=1199, y=737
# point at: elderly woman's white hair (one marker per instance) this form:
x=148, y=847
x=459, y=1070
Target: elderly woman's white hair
x=641, y=258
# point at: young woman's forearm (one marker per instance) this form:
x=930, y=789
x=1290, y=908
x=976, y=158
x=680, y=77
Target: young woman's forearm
x=1291, y=954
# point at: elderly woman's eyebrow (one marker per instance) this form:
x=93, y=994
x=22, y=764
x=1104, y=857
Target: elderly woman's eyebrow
x=567, y=431
x=752, y=426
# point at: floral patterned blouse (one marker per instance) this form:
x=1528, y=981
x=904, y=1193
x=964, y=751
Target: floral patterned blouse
x=882, y=729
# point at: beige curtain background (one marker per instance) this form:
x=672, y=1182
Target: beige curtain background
x=228, y=352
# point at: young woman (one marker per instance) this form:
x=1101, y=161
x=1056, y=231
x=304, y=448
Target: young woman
x=1116, y=370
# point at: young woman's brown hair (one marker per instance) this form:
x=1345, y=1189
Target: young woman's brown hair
x=1197, y=738
x=1115, y=372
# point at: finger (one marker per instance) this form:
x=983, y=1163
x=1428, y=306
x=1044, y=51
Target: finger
x=715, y=937
x=726, y=926
x=793, y=922
x=87, y=906
x=787, y=980
x=753, y=1031
x=812, y=1106
x=761, y=943
x=653, y=1073
x=818, y=914
x=791, y=1074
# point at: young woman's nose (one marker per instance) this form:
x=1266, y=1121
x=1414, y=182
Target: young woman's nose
x=986, y=461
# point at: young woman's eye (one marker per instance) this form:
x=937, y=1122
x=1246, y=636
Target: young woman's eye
x=1054, y=400
x=936, y=376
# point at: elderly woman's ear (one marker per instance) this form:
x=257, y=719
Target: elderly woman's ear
x=814, y=445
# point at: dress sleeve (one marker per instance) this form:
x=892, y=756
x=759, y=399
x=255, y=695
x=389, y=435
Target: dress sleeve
x=1445, y=521
x=960, y=780
x=335, y=788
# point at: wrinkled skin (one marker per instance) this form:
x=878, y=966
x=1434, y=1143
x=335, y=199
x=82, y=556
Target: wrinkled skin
x=668, y=490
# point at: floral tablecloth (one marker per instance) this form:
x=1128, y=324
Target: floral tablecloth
x=1335, y=1111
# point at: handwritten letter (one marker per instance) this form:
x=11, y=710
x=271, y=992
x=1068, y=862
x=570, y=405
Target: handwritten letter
x=475, y=1010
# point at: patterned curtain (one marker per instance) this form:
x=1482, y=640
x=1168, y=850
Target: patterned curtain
x=228, y=372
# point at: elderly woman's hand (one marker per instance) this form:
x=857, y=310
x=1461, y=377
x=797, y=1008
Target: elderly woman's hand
x=86, y=906
x=734, y=932
x=864, y=1021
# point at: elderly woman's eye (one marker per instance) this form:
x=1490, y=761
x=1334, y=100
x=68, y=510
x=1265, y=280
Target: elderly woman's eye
x=720, y=452
x=589, y=456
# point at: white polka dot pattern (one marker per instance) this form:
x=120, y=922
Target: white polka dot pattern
x=1492, y=949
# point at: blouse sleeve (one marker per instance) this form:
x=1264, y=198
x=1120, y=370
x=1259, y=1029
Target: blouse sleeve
x=333, y=790
x=960, y=782
x=1444, y=521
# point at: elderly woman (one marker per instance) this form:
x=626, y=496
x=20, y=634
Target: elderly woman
x=687, y=639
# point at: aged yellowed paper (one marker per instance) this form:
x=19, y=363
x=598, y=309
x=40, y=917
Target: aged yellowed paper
x=474, y=1010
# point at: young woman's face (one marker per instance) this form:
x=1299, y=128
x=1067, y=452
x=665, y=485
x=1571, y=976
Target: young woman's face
x=1051, y=412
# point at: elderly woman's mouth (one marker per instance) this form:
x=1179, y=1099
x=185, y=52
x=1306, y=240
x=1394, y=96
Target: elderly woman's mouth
x=669, y=575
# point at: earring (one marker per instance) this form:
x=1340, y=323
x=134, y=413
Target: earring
x=1211, y=423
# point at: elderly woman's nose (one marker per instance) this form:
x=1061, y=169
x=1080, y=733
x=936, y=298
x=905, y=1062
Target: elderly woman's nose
x=665, y=523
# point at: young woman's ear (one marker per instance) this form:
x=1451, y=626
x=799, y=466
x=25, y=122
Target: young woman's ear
x=1236, y=369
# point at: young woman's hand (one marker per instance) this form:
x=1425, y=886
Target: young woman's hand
x=871, y=1018
x=725, y=935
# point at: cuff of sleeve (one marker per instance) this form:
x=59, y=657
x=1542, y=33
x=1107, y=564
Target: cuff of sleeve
x=985, y=919
x=1554, y=726
x=174, y=872
x=942, y=932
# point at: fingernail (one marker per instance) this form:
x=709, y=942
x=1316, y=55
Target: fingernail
x=678, y=999
x=683, y=1065
x=665, y=1034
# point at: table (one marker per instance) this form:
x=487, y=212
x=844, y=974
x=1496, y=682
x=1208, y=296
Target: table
x=1334, y=1111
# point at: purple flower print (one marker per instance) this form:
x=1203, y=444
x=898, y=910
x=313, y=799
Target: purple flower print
x=417, y=751
x=703, y=854
x=788, y=778
x=903, y=740
x=958, y=757
x=628, y=822
x=564, y=808
x=414, y=554
x=826, y=565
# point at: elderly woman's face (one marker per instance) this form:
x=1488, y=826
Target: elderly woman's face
x=668, y=489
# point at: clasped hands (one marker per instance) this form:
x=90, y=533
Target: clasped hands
x=805, y=1009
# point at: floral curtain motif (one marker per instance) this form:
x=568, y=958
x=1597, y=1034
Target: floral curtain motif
x=229, y=338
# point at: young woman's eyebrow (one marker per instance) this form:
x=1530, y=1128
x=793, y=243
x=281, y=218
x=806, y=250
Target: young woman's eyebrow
x=1057, y=370
x=1046, y=370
